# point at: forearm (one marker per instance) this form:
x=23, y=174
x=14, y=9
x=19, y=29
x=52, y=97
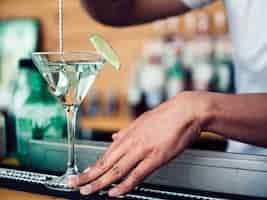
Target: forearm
x=132, y=12
x=240, y=117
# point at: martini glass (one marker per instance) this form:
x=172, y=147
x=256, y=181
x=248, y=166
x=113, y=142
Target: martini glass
x=69, y=75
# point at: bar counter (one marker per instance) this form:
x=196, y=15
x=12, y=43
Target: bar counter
x=7, y=194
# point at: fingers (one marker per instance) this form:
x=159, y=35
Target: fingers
x=101, y=166
x=114, y=152
x=145, y=168
x=115, y=136
x=119, y=170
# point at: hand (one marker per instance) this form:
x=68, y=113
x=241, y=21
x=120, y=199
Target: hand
x=110, y=12
x=148, y=143
x=132, y=12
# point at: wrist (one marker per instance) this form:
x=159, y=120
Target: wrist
x=200, y=107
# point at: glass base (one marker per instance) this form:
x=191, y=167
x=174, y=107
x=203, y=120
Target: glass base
x=61, y=183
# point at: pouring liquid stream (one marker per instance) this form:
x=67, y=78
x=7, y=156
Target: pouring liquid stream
x=60, y=28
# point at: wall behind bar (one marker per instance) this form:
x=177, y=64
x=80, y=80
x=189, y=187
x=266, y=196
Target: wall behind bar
x=77, y=28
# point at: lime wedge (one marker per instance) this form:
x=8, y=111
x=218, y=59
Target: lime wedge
x=103, y=48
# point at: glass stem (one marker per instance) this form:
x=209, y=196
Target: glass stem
x=71, y=112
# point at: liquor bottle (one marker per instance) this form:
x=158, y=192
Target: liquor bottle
x=202, y=76
x=187, y=54
x=175, y=80
x=136, y=99
x=38, y=114
x=203, y=69
x=3, y=144
x=152, y=79
x=18, y=39
x=173, y=47
x=152, y=47
x=172, y=43
x=204, y=40
x=189, y=49
x=113, y=103
x=94, y=104
x=223, y=54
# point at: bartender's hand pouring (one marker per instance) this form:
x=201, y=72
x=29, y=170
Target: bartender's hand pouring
x=148, y=143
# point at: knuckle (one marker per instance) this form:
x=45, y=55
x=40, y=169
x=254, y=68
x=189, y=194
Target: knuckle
x=127, y=186
x=83, y=178
x=141, y=144
x=143, y=151
x=101, y=164
x=130, y=182
x=146, y=113
x=96, y=185
x=143, y=116
x=135, y=143
x=156, y=151
x=156, y=154
x=134, y=178
x=142, y=141
x=116, y=171
x=87, y=176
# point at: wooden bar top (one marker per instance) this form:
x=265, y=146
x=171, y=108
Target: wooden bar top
x=7, y=194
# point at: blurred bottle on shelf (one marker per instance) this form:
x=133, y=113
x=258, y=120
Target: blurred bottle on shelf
x=172, y=43
x=18, y=39
x=203, y=74
x=113, y=103
x=93, y=106
x=152, y=47
x=188, y=52
x=3, y=144
x=152, y=79
x=175, y=80
x=38, y=114
x=223, y=54
x=203, y=38
x=136, y=99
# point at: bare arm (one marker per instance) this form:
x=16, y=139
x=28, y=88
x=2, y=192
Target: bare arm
x=240, y=117
x=132, y=12
x=163, y=133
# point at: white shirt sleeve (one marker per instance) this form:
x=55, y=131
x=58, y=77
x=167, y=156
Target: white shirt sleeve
x=196, y=3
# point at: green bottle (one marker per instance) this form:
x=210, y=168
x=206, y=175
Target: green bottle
x=38, y=114
x=176, y=80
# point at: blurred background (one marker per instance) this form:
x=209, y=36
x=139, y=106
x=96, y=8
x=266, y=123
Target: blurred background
x=191, y=52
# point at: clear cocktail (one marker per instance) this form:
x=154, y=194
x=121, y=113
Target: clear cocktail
x=69, y=75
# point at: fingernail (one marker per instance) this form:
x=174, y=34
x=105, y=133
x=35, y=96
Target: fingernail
x=114, y=192
x=87, y=170
x=86, y=190
x=73, y=181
